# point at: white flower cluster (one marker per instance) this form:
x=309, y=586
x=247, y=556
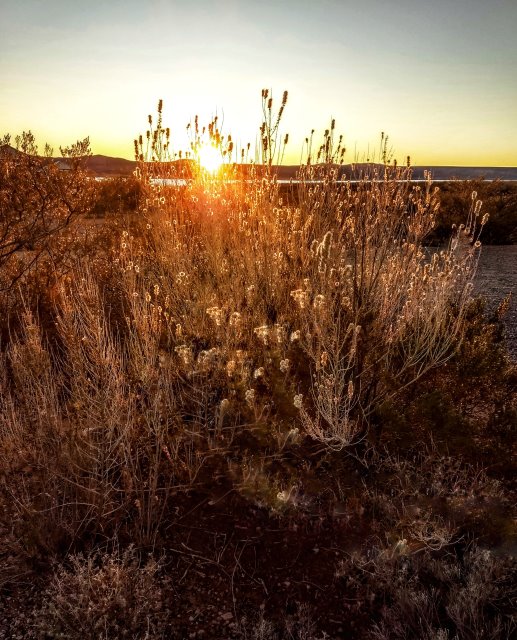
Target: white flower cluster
x=301, y=297
x=235, y=320
x=285, y=365
x=216, y=315
x=262, y=334
x=298, y=401
x=249, y=397
x=185, y=353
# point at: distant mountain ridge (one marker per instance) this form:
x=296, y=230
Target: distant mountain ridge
x=108, y=166
x=355, y=170
x=98, y=164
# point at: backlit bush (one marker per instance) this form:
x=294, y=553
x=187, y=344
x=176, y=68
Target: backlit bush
x=40, y=199
x=233, y=315
x=338, y=284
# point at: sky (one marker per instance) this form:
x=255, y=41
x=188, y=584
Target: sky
x=438, y=76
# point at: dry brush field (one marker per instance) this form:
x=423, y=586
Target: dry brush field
x=234, y=410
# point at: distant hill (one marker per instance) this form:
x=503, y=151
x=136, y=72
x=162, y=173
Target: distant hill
x=357, y=170
x=99, y=165
x=352, y=171
x=106, y=166
x=6, y=149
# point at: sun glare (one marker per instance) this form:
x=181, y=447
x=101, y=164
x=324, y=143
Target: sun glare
x=210, y=158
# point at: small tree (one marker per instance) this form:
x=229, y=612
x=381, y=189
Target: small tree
x=40, y=197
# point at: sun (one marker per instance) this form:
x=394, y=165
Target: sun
x=210, y=158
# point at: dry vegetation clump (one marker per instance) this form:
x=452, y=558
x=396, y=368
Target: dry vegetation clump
x=500, y=199
x=40, y=199
x=238, y=381
x=341, y=278
x=432, y=597
x=49, y=224
x=103, y=596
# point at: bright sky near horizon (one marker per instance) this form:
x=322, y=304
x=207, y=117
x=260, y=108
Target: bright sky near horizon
x=438, y=76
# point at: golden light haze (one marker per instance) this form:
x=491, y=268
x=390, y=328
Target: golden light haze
x=438, y=78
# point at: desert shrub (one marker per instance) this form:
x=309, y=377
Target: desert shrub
x=103, y=596
x=426, y=501
x=339, y=286
x=95, y=430
x=43, y=206
x=116, y=196
x=40, y=198
x=415, y=574
x=299, y=626
x=499, y=198
x=483, y=350
x=227, y=326
x=433, y=596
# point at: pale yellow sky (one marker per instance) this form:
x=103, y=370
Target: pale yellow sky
x=438, y=77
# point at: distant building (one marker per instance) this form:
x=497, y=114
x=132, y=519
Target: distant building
x=63, y=165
